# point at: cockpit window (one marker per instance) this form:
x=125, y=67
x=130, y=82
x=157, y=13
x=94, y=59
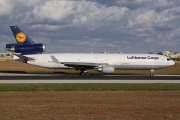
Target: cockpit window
x=168, y=59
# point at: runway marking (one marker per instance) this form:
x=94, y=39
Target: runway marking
x=24, y=74
x=64, y=78
x=89, y=81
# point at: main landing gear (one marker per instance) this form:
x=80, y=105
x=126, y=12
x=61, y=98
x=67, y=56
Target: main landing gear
x=151, y=72
x=83, y=73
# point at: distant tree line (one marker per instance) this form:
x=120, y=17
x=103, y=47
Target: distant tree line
x=176, y=59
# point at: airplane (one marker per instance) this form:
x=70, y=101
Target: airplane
x=25, y=50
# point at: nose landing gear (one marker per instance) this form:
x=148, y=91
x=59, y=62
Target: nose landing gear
x=151, y=72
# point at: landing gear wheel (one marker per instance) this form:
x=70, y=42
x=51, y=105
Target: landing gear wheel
x=83, y=73
x=151, y=72
x=86, y=73
x=151, y=75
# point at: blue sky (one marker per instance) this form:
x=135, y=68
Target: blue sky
x=84, y=26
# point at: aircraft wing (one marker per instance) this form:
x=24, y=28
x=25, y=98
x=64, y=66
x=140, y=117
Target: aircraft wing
x=77, y=64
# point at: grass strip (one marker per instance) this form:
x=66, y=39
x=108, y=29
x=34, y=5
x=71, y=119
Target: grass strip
x=87, y=87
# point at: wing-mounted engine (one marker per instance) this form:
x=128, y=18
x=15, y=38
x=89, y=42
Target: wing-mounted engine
x=105, y=69
x=26, y=49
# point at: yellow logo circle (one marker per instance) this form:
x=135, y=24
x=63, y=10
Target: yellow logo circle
x=20, y=37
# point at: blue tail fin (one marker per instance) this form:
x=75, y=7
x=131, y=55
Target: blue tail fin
x=20, y=36
x=24, y=44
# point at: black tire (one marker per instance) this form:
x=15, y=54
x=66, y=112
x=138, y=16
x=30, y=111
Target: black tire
x=87, y=74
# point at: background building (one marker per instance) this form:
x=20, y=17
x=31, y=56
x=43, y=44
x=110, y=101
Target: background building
x=171, y=54
x=6, y=56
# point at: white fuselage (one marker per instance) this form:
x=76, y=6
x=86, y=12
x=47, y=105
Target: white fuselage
x=118, y=61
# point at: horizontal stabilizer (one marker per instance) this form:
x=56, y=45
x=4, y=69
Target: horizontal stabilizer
x=23, y=58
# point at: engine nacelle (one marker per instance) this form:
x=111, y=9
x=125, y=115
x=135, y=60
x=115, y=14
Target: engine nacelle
x=35, y=48
x=106, y=69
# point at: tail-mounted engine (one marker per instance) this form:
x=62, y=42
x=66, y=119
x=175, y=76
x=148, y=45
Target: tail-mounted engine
x=26, y=49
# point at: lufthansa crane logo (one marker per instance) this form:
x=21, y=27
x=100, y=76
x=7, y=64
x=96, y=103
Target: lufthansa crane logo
x=20, y=37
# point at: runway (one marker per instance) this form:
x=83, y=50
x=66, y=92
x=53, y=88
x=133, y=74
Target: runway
x=69, y=78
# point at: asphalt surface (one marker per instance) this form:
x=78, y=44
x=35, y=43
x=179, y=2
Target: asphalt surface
x=65, y=78
x=91, y=77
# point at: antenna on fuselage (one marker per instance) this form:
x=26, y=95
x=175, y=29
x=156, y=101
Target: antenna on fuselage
x=120, y=50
